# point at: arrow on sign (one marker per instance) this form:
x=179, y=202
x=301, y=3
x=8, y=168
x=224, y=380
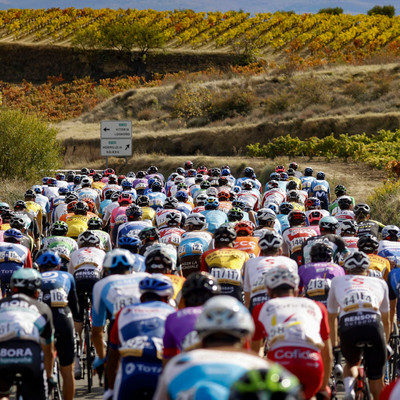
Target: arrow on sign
x=106, y=129
x=127, y=146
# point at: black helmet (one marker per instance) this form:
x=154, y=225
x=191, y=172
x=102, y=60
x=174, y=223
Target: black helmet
x=151, y=233
x=17, y=222
x=143, y=201
x=95, y=223
x=134, y=211
x=30, y=194
x=291, y=185
x=198, y=288
x=320, y=175
x=321, y=252
x=391, y=232
x=348, y=226
x=362, y=208
x=19, y=205
x=344, y=202
x=270, y=240
x=171, y=203
x=225, y=234
x=158, y=260
x=59, y=228
x=368, y=243
x=308, y=171
x=81, y=207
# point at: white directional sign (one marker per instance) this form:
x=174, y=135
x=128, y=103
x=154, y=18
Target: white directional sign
x=116, y=138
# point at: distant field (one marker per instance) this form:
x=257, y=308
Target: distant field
x=312, y=39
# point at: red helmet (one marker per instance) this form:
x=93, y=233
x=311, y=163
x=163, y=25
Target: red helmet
x=280, y=168
x=125, y=197
x=223, y=195
x=109, y=171
x=245, y=226
x=296, y=216
x=314, y=217
x=188, y=165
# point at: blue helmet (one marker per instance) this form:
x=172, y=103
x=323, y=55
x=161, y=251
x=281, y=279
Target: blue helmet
x=275, y=176
x=12, y=235
x=37, y=188
x=225, y=171
x=158, y=284
x=63, y=190
x=212, y=203
x=126, y=184
x=48, y=259
x=119, y=259
x=131, y=243
x=182, y=195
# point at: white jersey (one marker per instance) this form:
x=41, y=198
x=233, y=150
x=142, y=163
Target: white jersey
x=357, y=293
x=188, y=374
x=274, y=195
x=344, y=214
x=161, y=222
x=290, y=321
x=108, y=210
x=254, y=271
x=205, y=235
x=88, y=258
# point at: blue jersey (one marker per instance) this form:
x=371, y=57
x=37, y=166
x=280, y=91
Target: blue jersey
x=306, y=182
x=283, y=219
x=214, y=218
x=103, y=205
x=12, y=258
x=185, y=208
x=56, y=288
x=192, y=246
x=156, y=200
x=112, y=293
x=256, y=182
x=131, y=228
x=390, y=250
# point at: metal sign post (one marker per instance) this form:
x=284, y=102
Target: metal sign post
x=116, y=139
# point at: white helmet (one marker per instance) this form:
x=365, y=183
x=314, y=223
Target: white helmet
x=356, y=261
x=281, y=275
x=266, y=214
x=196, y=219
x=121, y=259
x=270, y=239
x=173, y=218
x=224, y=314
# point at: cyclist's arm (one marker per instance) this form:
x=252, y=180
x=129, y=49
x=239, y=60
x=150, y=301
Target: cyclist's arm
x=113, y=354
x=386, y=324
x=48, y=353
x=259, y=333
x=333, y=326
x=28, y=260
x=98, y=342
x=73, y=299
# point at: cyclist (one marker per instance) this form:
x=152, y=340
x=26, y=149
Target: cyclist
x=13, y=256
x=59, y=293
x=172, y=232
x=254, y=270
x=86, y=192
x=267, y=220
x=27, y=331
x=274, y=194
x=282, y=215
x=249, y=174
x=214, y=217
x=366, y=225
x=32, y=227
x=124, y=201
x=316, y=276
x=156, y=196
x=345, y=210
x=297, y=331
x=207, y=373
x=307, y=179
x=194, y=242
x=170, y=206
x=362, y=304
x=34, y=208
x=60, y=243
x=133, y=244
x=27, y=241
x=250, y=194
x=136, y=341
x=77, y=222
x=389, y=246
x=134, y=223
x=95, y=224
x=245, y=239
x=224, y=262
x=148, y=236
x=320, y=189
x=119, y=288
x=369, y=245
x=180, y=334
x=340, y=190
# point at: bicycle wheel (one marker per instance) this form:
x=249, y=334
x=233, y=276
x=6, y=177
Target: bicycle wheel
x=88, y=357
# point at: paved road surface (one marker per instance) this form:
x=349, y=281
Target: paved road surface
x=82, y=392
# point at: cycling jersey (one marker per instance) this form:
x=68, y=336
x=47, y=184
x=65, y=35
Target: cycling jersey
x=114, y=292
x=161, y=221
x=226, y=264
x=156, y=200
x=256, y=182
x=214, y=218
x=63, y=245
x=171, y=235
x=274, y=195
x=336, y=242
x=131, y=228
x=105, y=239
x=316, y=277
x=306, y=182
x=88, y=258
x=77, y=224
x=378, y=263
x=344, y=214
x=137, y=334
x=89, y=193
x=251, y=197
x=368, y=227
x=177, y=283
x=254, y=271
x=283, y=220
x=205, y=374
x=293, y=239
x=186, y=208
x=334, y=206
x=391, y=251
x=249, y=244
x=180, y=334
x=103, y=205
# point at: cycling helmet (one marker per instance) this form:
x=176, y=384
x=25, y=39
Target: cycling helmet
x=173, y=218
x=312, y=203
x=361, y=208
x=156, y=186
x=152, y=170
x=52, y=182
x=198, y=288
x=108, y=172
x=149, y=234
x=126, y=184
x=224, y=314
x=158, y=260
x=215, y=172
x=266, y=214
x=88, y=239
x=26, y=280
x=308, y=171
x=225, y=234
x=143, y=201
x=30, y=194
x=141, y=174
x=239, y=203
x=328, y=223
x=202, y=170
x=125, y=198
x=293, y=165
x=48, y=259
x=314, y=217
x=272, y=206
x=181, y=185
x=59, y=228
x=291, y=172
x=225, y=171
x=196, y=219
x=131, y=243
x=368, y=243
x=81, y=207
x=344, y=202
x=274, y=176
x=281, y=276
x=293, y=196
x=37, y=189
x=70, y=197
x=60, y=176
x=85, y=171
x=236, y=189
x=321, y=252
x=86, y=182
x=205, y=185
x=70, y=176
x=158, y=284
x=119, y=259
x=223, y=195
x=273, y=184
x=285, y=208
x=188, y=165
x=356, y=261
x=180, y=171
x=235, y=214
x=200, y=199
x=340, y=190
x=114, y=196
x=296, y=217
x=134, y=212
x=348, y=226
x=95, y=223
x=90, y=204
x=19, y=205
x=247, y=185
x=391, y=232
x=270, y=240
x=113, y=179
x=291, y=185
x=212, y=203
x=17, y=222
x=131, y=174
x=212, y=192
x=191, y=173
x=280, y=168
x=320, y=175
x=249, y=172
x=96, y=177
x=171, y=203
x=77, y=179
x=63, y=191
x=182, y=196
x=13, y=235
x=284, y=176
x=244, y=227
x=272, y=383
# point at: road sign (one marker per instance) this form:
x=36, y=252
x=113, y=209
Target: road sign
x=116, y=138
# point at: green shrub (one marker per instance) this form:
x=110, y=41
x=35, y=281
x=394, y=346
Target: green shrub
x=28, y=146
x=385, y=205
x=330, y=10
x=389, y=11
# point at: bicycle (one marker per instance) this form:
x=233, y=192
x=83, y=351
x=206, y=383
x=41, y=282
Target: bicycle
x=361, y=386
x=393, y=365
